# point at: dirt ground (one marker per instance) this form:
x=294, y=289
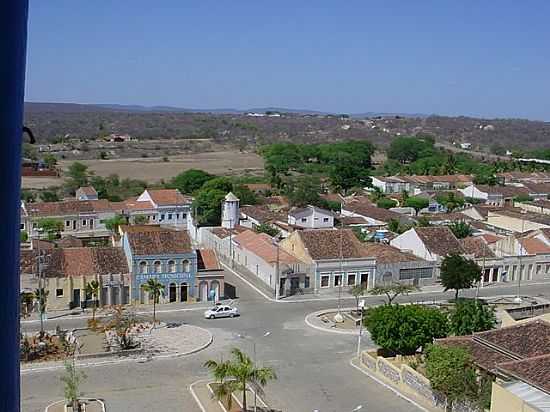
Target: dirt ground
x=40, y=182
x=153, y=169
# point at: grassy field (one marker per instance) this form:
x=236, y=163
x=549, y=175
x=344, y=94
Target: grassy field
x=153, y=169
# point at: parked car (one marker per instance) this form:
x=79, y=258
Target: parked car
x=221, y=311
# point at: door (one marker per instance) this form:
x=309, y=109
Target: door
x=172, y=292
x=364, y=279
x=294, y=284
x=282, y=286
x=183, y=292
x=203, y=295
x=76, y=297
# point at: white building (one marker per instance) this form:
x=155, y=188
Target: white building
x=311, y=217
x=230, y=211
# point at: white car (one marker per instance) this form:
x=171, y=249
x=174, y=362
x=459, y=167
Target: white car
x=221, y=311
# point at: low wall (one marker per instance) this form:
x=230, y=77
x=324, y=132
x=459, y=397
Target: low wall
x=409, y=382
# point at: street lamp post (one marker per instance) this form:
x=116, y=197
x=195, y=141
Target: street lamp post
x=265, y=335
x=361, y=306
x=521, y=250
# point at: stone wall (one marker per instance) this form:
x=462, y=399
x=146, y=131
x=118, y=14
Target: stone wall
x=409, y=382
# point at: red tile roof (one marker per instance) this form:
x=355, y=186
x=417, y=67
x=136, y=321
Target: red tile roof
x=477, y=246
x=159, y=242
x=388, y=254
x=534, y=371
x=439, y=240
x=262, y=246
x=534, y=246
x=207, y=260
x=165, y=197
x=328, y=243
x=83, y=261
x=67, y=207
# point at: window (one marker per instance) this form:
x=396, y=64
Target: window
x=22, y=226
x=154, y=217
x=186, y=265
x=169, y=216
x=351, y=279
x=91, y=223
x=171, y=266
x=306, y=282
x=539, y=268
x=415, y=273
x=183, y=216
x=304, y=219
x=337, y=280
x=513, y=277
x=142, y=267
x=529, y=270
x=84, y=222
x=325, y=281
x=325, y=219
x=162, y=217
x=177, y=216
x=59, y=293
x=67, y=223
x=158, y=267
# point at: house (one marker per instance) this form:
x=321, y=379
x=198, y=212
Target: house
x=311, y=217
x=518, y=357
x=336, y=258
x=429, y=243
x=80, y=218
x=260, y=255
x=413, y=184
x=494, y=195
x=86, y=193
x=253, y=216
x=479, y=212
x=509, y=221
x=210, y=277
x=67, y=271
x=519, y=177
x=390, y=184
x=160, y=206
x=376, y=217
x=537, y=191
x=537, y=206
x=465, y=146
x=163, y=254
x=395, y=266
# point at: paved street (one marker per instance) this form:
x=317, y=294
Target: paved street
x=312, y=366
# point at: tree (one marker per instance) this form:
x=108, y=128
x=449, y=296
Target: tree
x=77, y=174
x=72, y=380
x=156, y=290
x=403, y=329
x=23, y=237
x=346, y=173
x=49, y=196
x=92, y=289
x=221, y=183
x=450, y=200
x=461, y=229
x=452, y=372
x=245, y=195
x=140, y=220
x=393, y=225
x=207, y=205
x=458, y=272
x=357, y=291
x=409, y=149
x=115, y=222
x=190, y=180
x=50, y=161
x=267, y=229
x=523, y=198
x=27, y=196
x=417, y=203
x=392, y=291
x=238, y=373
x=386, y=203
x=471, y=316
x=303, y=191
x=41, y=295
x=51, y=226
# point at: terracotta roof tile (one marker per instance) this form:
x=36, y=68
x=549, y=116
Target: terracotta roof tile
x=534, y=371
x=533, y=246
x=207, y=260
x=83, y=261
x=262, y=245
x=67, y=207
x=476, y=246
x=389, y=254
x=159, y=242
x=165, y=197
x=327, y=244
x=439, y=240
x=363, y=208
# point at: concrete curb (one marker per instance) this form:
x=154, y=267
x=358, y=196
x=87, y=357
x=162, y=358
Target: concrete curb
x=125, y=359
x=101, y=403
x=329, y=330
x=194, y=395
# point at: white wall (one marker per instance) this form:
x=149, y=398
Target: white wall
x=410, y=242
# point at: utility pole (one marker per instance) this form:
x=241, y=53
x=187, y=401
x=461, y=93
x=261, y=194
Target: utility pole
x=277, y=271
x=338, y=317
x=521, y=249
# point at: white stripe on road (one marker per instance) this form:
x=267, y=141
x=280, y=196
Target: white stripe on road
x=194, y=395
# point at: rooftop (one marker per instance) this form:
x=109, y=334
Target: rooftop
x=67, y=207
x=85, y=261
x=262, y=246
x=328, y=243
x=366, y=208
x=207, y=260
x=439, y=240
x=389, y=254
x=158, y=242
x=165, y=197
x=477, y=246
x=534, y=371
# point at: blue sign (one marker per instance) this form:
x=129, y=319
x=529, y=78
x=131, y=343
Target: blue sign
x=163, y=277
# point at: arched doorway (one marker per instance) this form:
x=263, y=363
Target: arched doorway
x=142, y=295
x=203, y=291
x=172, y=291
x=183, y=292
x=215, y=286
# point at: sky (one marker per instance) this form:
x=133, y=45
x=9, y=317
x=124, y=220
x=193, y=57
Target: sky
x=473, y=58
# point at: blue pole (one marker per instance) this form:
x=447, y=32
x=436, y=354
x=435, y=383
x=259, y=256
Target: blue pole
x=13, y=44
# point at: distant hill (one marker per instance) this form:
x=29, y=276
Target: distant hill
x=51, y=121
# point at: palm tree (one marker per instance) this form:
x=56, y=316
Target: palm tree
x=41, y=295
x=225, y=384
x=92, y=289
x=237, y=373
x=155, y=289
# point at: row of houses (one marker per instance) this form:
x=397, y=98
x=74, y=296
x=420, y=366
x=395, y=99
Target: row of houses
x=85, y=216
x=136, y=254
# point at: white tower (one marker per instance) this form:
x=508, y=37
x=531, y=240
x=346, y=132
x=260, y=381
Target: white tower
x=230, y=211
